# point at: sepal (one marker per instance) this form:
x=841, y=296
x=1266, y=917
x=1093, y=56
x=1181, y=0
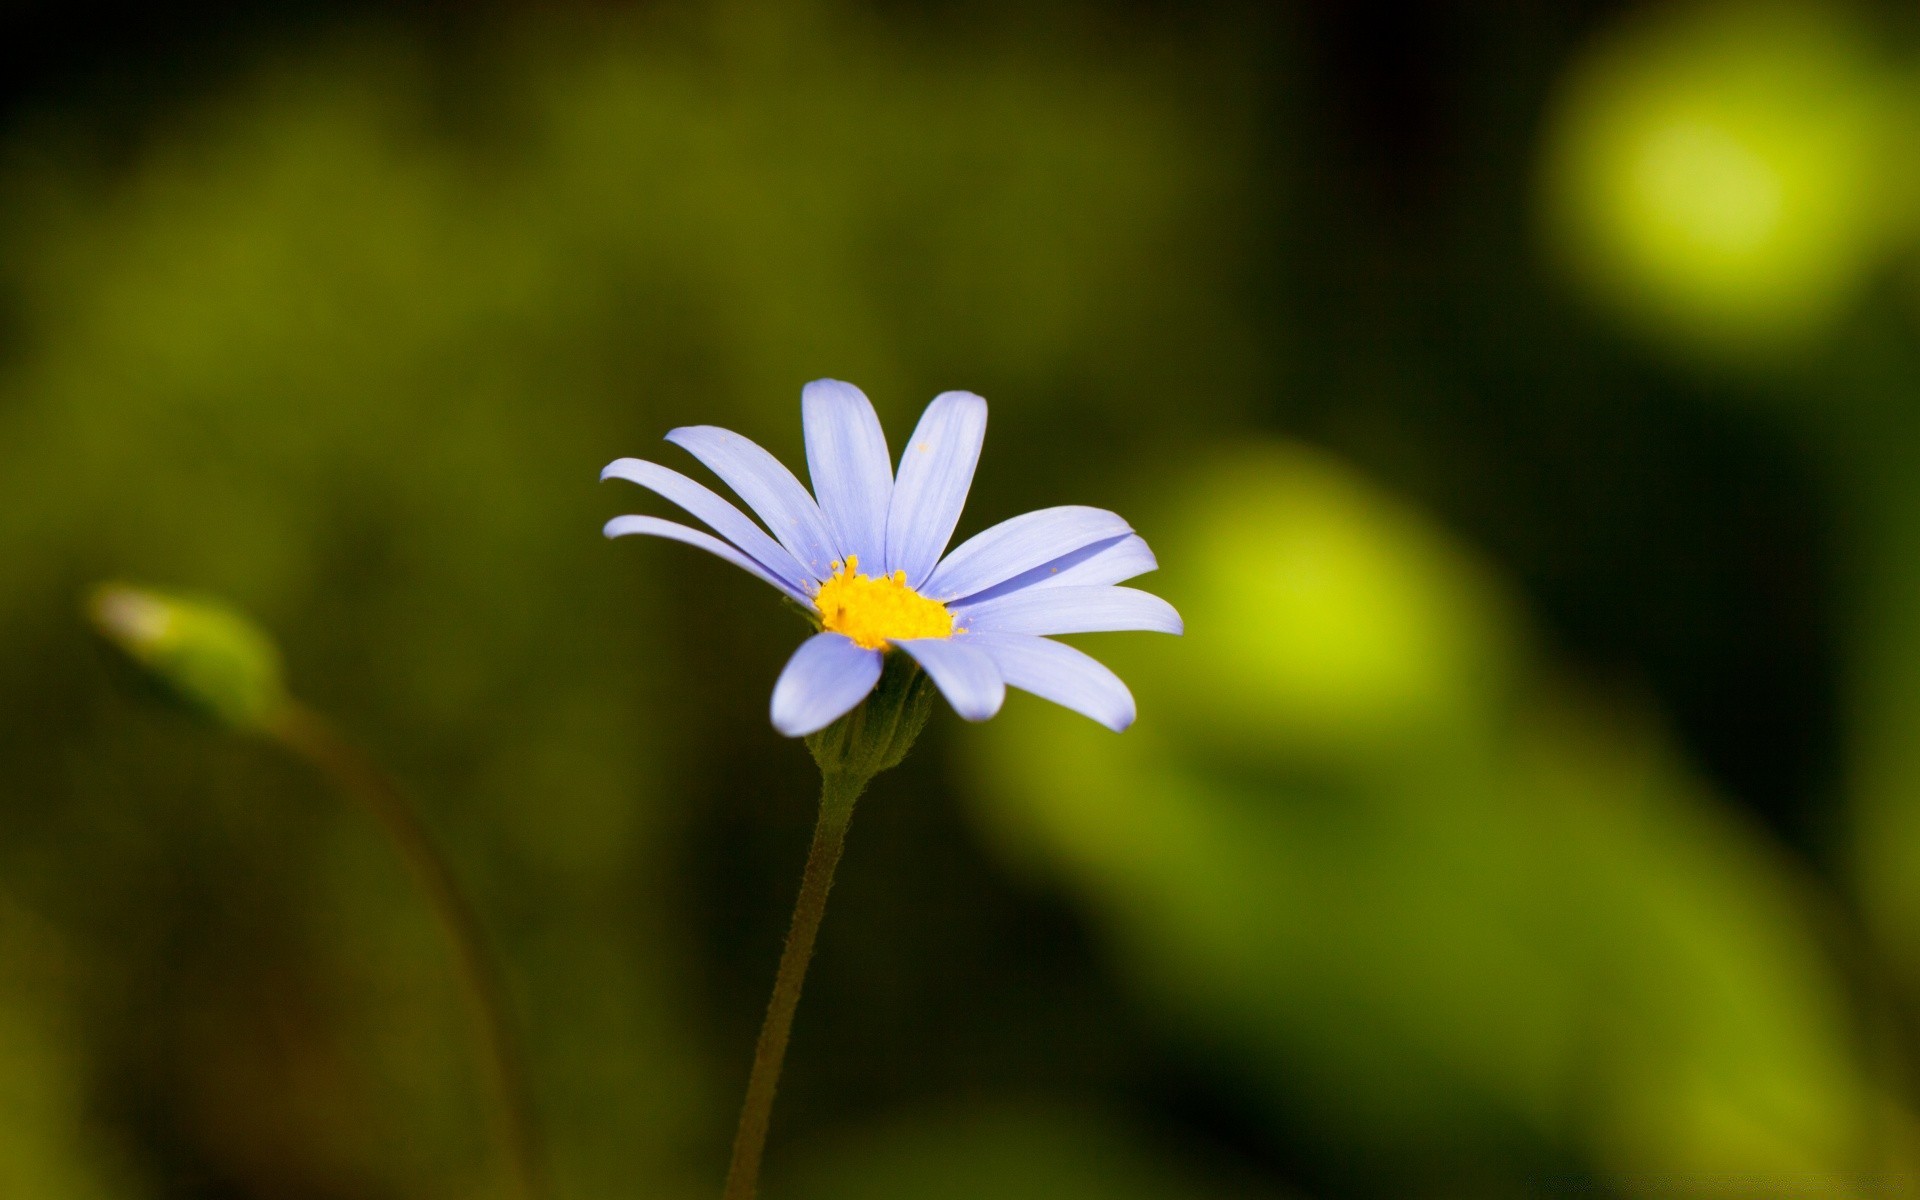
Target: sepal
x=877, y=734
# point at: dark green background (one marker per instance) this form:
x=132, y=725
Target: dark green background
x=1533, y=807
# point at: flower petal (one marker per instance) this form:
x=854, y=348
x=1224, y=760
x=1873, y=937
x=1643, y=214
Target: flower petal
x=936, y=471
x=821, y=683
x=1113, y=560
x=769, y=490
x=1059, y=673
x=622, y=526
x=1051, y=610
x=1020, y=544
x=851, y=471
x=965, y=674
x=722, y=517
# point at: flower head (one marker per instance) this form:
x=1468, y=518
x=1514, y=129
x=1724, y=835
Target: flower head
x=865, y=554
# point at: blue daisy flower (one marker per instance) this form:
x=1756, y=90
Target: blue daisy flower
x=865, y=555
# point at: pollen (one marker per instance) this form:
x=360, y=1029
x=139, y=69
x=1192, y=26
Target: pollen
x=874, y=611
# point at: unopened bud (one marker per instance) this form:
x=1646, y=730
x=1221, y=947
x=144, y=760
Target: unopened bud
x=204, y=654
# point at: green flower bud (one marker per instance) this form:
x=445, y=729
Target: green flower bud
x=877, y=735
x=202, y=653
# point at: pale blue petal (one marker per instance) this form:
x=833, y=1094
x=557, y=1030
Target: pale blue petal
x=725, y=520
x=1114, y=560
x=822, y=682
x=1020, y=544
x=1050, y=610
x=964, y=674
x=654, y=526
x=851, y=471
x=769, y=490
x=936, y=471
x=1059, y=673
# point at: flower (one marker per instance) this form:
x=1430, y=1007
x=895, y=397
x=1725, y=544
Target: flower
x=867, y=562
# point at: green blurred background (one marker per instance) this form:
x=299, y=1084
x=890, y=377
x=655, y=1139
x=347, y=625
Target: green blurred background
x=1523, y=400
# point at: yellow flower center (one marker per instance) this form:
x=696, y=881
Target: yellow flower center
x=874, y=612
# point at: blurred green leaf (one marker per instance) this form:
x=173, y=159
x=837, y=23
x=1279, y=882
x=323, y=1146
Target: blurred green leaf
x=1483, y=916
x=49, y=1145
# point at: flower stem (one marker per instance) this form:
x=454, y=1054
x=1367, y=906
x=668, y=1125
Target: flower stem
x=311, y=737
x=837, y=794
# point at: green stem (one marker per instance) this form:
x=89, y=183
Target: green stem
x=837, y=794
x=309, y=736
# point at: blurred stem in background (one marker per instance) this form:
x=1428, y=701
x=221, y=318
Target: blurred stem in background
x=850, y=752
x=223, y=667
x=311, y=737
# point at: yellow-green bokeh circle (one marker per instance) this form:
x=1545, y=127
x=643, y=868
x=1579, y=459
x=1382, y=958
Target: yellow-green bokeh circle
x=1720, y=176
